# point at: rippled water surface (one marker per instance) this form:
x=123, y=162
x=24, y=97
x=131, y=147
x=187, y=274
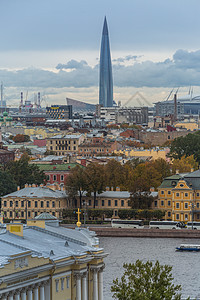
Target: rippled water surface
x=186, y=265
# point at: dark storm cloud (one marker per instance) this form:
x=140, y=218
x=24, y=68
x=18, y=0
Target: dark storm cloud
x=182, y=70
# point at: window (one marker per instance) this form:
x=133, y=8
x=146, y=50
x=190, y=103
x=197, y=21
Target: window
x=53, y=213
x=169, y=203
x=186, y=216
x=102, y=202
x=36, y=204
x=162, y=203
x=68, y=278
x=197, y=204
x=197, y=194
x=48, y=177
x=169, y=192
x=74, y=147
x=29, y=203
x=51, y=148
x=177, y=194
x=115, y=213
x=186, y=194
x=62, y=284
x=155, y=203
x=122, y=203
x=177, y=205
x=10, y=214
x=11, y=203
x=90, y=202
x=198, y=216
x=109, y=202
x=5, y=214
x=22, y=214
x=57, y=286
x=47, y=203
x=29, y=214
x=54, y=177
x=53, y=203
x=16, y=203
x=35, y=214
x=169, y=214
x=177, y=216
x=22, y=203
x=116, y=202
x=186, y=205
x=62, y=177
x=4, y=203
x=162, y=192
x=42, y=203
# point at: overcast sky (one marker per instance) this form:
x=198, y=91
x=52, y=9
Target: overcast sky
x=52, y=46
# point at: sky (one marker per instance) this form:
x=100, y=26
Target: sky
x=52, y=46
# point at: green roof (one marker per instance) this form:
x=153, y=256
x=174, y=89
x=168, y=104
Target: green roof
x=62, y=167
x=170, y=182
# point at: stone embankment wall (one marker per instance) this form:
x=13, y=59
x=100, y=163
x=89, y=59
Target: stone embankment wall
x=150, y=233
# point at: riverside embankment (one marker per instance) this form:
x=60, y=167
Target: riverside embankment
x=146, y=232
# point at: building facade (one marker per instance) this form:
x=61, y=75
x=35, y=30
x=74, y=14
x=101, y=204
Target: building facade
x=64, y=144
x=179, y=197
x=59, y=112
x=43, y=262
x=106, y=80
x=31, y=201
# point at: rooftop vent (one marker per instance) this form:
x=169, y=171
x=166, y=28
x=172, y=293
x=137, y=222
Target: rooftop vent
x=51, y=253
x=66, y=244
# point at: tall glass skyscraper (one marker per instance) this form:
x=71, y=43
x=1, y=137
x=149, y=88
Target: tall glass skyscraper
x=106, y=80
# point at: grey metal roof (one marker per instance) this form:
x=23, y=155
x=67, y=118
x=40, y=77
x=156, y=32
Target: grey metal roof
x=37, y=192
x=45, y=216
x=43, y=243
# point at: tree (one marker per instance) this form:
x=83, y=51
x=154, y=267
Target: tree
x=162, y=167
x=114, y=174
x=7, y=183
x=23, y=172
x=147, y=282
x=184, y=164
x=21, y=138
x=95, y=177
x=76, y=183
x=186, y=146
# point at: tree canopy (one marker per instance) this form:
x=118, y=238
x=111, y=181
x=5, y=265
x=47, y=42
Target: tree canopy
x=186, y=146
x=23, y=172
x=7, y=183
x=146, y=281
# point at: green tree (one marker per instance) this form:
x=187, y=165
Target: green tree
x=186, y=146
x=147, y=282
x=114, y=174
x=76, y=183
x=7, y=183
x=95, y=177
x=23, y=172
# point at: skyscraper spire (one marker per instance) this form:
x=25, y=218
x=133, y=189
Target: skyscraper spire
x=106, y=80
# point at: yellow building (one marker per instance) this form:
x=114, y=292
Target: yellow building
x=33, y=200
x=179, y=197
x=189, y=125
x=64, y=144
x=50, y=264
x=151, y=153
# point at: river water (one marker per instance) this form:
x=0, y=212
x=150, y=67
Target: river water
x=186, y=265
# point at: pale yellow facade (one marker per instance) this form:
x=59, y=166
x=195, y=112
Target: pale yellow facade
x=151, y=153
x=187, y=125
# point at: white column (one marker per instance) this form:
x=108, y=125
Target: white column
x=42, y=293
x=23, y=295
x=47, y=292
x=101, y=284
x=29, y=295
x=10, y=297
x=95, y=285
x=78, y=287
x=17, y=297
x=84, y=287
x=35, y=293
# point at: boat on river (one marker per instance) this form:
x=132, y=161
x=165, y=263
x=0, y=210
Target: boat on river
x=185, y=247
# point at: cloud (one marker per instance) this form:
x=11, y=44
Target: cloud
x=126, y=58
x=72, y=64
x=183, y=69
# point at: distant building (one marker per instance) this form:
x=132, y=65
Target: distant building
x=31, y=201
x=106, y=80
x=81, y=107
x=64, y=144
x=59, y=112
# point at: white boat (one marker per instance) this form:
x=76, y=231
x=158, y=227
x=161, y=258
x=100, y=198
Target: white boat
x=185, y=247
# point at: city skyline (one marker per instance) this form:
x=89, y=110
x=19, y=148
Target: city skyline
x=54, y=47
x=105, y=74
